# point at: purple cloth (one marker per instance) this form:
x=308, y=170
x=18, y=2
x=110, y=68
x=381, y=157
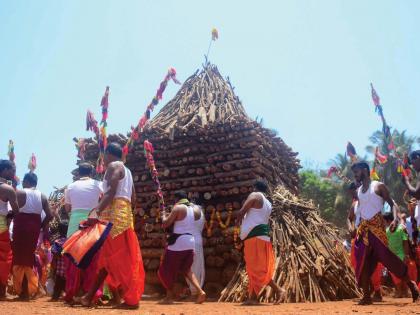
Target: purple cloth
x=376, y=252
x=26, y=229
x=174, y=263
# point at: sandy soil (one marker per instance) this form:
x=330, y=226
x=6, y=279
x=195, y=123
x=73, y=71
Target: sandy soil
x=389, y=306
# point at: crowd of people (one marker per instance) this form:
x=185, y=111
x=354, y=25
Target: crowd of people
x=115, y=272
x=384, y=242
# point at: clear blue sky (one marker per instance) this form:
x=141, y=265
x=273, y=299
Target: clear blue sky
x=304, y=66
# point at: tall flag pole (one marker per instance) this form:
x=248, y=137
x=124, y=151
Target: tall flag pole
x=402, y=167
x=214, y=37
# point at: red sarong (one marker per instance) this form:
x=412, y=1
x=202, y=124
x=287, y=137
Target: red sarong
x=174, y=263
x=120, y=257
x=5, y=257
x=26, y=229
x=77, y=278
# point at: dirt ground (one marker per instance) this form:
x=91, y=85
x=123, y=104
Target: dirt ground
x=389, y=306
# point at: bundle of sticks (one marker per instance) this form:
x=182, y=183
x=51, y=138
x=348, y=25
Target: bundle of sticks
x=311, y=262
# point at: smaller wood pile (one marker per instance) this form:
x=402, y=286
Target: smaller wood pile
x=311, y=263
x=56, y=201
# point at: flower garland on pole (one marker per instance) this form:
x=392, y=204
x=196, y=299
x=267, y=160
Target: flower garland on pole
x=148, y=152
x=136, y=131
x=99, y=131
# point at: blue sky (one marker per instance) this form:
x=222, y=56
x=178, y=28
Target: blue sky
x=304, y=66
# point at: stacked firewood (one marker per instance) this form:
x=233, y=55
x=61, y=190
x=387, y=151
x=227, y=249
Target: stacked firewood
x=311, y=263
x=206, y=145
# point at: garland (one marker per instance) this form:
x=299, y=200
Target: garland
x=209, y=226
x=148, y=152
x=136, y=131
x=100, y=132
x=225, y=224
x=238, y=244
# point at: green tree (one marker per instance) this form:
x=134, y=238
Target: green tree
x=321, y=191
x=388, y=172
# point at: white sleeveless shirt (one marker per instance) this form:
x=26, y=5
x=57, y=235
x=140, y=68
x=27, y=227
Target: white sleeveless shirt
x=256, y=217
x=369, y=202
x=125, y=185
x=186, y=225
x=33, y=202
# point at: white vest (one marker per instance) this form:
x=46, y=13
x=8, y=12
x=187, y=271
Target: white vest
x=125, y=185
x=33, y=202
x=256, y=217
x=369, y=202
x=186, y=225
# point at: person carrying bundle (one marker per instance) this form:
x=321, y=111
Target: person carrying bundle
x=258, y=251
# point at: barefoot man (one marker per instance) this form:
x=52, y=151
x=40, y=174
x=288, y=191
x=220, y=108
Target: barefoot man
x=120, y=260
x=258, y=250
x=7, y=196
x=27, y=226
x=371, y=240
x=179, y=254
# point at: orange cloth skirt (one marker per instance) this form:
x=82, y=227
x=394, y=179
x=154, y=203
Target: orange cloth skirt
x=259, y=260
x=121, y=258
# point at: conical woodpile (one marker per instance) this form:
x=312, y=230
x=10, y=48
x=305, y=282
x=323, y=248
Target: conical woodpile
x=206, y=144
x=311, y=263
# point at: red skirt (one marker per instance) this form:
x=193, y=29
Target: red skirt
x=121, y=258
x=5, y=257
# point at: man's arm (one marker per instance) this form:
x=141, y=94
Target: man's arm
x=113, y=177
x=384, y=193
x=169, y=219
x=413, y=192
x=350, y=220
x=250, y=202
x=47, y=210
x=12, y=199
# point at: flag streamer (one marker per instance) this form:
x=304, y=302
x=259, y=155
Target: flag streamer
x=136, y=131
x=11, y=151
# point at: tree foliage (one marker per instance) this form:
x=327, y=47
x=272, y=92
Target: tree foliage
x=331, y=195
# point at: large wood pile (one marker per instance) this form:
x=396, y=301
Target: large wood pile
x=311, y=263
x=207, y=145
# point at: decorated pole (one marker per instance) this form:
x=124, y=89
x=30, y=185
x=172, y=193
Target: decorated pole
x=401, y=167
x=136, y=131
x=214, y=37
x=148, y=152
x=99, y=131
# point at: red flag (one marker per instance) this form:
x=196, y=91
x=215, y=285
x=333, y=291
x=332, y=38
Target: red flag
x=375, y=96
x=381, y=158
